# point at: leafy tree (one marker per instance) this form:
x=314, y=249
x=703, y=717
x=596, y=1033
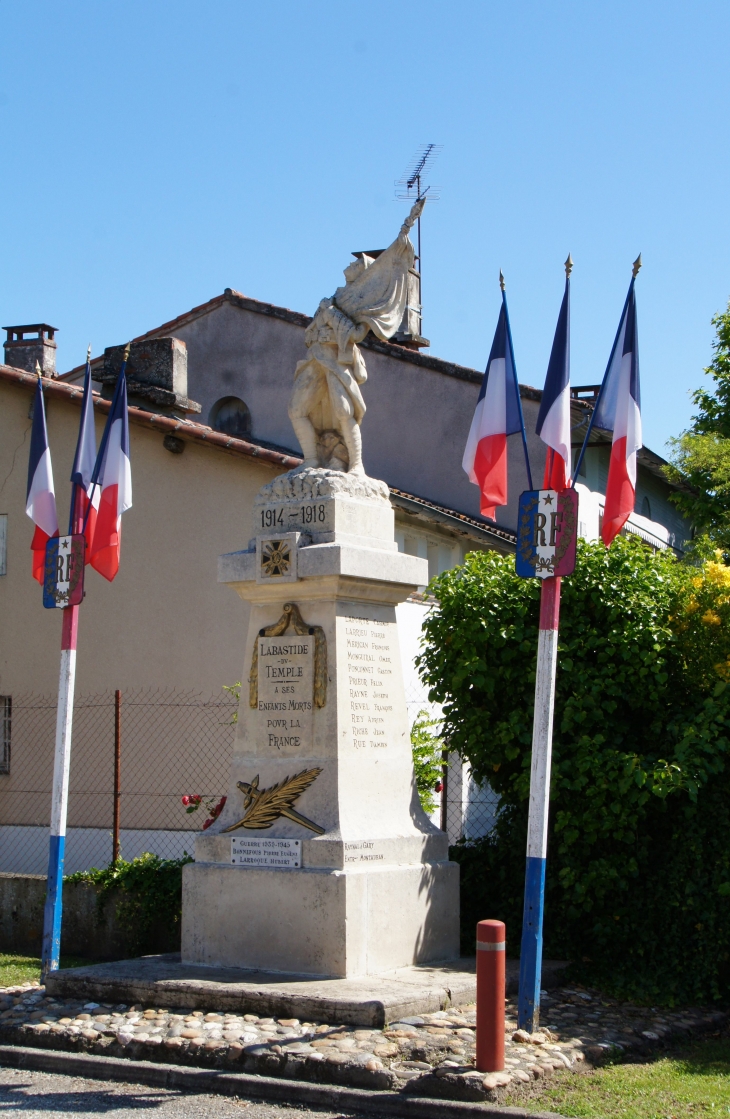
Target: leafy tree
x=639, y=848
x=701, y=455
x=427, y=749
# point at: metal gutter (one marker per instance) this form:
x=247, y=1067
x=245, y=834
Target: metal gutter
x=501, y=539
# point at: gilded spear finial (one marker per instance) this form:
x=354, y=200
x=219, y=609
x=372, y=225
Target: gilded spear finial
x=127, y=348
x=501, y=280
x=38, y=372
x=88, y=353
x=636, y=266
x=568, y=266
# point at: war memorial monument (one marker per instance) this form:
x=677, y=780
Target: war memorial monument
x=323, y=862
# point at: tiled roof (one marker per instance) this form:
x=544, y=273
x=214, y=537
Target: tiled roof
x=168, y=425
x=504, y=538
x=580, y=409
x=194, y=432
x=296, y=318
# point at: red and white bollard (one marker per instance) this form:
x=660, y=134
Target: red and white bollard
x=490, y=996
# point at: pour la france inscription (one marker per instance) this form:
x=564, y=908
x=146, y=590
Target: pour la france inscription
x=371, y=657
x=285, y=684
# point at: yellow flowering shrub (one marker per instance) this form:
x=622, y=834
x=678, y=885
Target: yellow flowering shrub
x=701, y=622
x=717, y=572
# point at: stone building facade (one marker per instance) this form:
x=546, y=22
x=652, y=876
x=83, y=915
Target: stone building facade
x=208, y=427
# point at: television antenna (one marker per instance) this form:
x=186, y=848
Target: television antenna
x=410, y=186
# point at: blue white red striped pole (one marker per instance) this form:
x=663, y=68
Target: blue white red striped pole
x=528, y=1009
x=51, y=949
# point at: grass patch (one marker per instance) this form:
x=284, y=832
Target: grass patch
x=692, y=1082
x=24, y=969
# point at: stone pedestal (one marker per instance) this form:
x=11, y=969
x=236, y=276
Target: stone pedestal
x=358, y=879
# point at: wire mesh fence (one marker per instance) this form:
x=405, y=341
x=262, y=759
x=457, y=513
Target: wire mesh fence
x=469, y=811
x=171, y=744
x=465, y=809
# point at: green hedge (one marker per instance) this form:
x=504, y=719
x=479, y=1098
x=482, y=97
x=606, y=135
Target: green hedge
x=147, y=893
x=638, y=882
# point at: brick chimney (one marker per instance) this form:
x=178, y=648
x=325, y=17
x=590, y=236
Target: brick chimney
x=409, y=332
x=23, y=352
x=157, y=375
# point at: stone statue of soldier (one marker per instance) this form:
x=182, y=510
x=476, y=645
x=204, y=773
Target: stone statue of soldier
x=326, y=406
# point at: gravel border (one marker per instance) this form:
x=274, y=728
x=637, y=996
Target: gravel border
x=429, y=1056
x=256, y=1087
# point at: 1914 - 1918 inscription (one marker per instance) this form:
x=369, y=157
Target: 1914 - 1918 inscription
x=285, y=685
x=307, y=517
x=370, y=666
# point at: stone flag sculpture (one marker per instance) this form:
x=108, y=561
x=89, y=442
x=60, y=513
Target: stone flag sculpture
x=327, y=407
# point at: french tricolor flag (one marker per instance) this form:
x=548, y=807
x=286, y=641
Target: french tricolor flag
x=40, y=503
x=553, y=421
x=618, y=410
x=498, y=414
x=113, y=476
x=85, y=502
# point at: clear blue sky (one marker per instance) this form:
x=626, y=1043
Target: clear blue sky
x=157, y=152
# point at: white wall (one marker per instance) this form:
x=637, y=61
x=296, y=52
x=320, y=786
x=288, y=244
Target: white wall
x=590, y=511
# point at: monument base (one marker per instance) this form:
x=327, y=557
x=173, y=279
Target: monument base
x=323, y=862
x=371, y=1002
x=318, y=921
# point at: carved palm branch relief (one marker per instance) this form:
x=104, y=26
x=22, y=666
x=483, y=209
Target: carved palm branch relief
x=262, y=808
x=292, y=617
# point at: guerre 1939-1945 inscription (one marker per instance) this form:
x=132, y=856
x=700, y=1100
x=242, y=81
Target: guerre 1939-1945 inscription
x=285, y=853
x=370, y=660
x=286, y=674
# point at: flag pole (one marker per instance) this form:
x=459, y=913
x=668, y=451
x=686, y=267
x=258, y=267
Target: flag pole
x=59, y=802
x=62, y=758
x=105, y=436
x=634, y=273
x=72, y=513
x=528, y=1002
x=64, y=716
x=53, y=911
x=528, y=1009
x=517, y=383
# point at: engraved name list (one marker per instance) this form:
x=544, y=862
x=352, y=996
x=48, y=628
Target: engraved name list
x=370, y=660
